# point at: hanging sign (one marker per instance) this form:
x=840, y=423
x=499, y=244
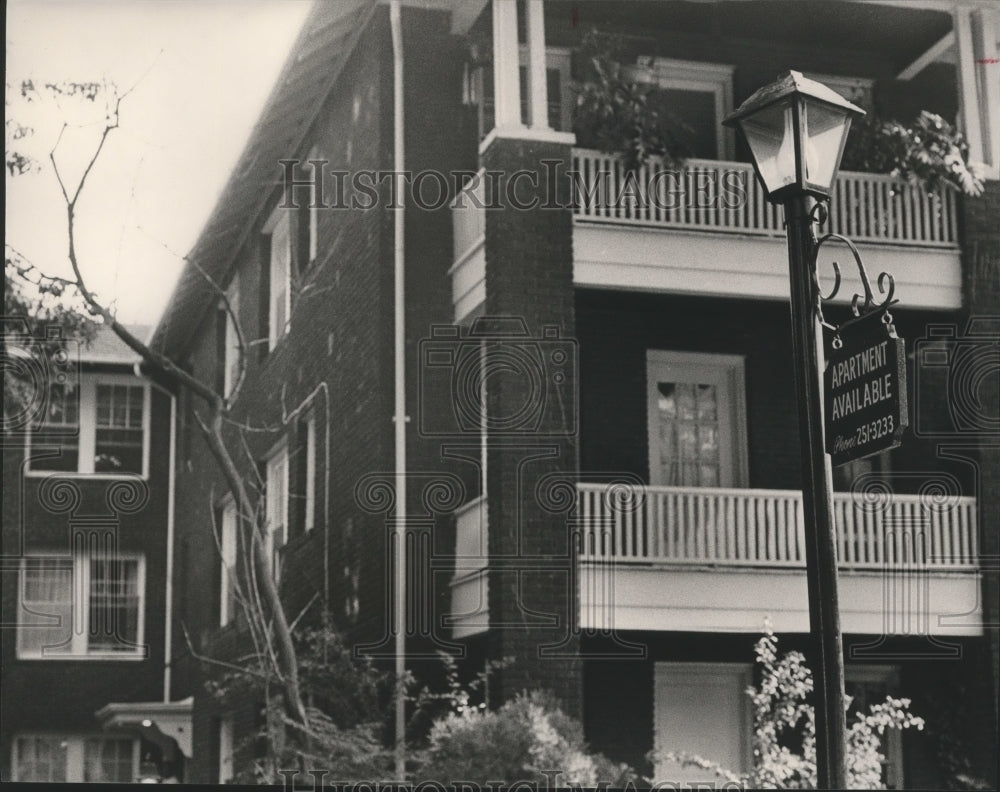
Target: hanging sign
x=865, y=389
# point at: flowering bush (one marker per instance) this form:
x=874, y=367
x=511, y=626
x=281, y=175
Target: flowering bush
x=527, y=739
x=929, y=151
x=784, y=740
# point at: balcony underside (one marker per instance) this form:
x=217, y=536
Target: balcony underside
x=679, y=261
x=692, y=559
x=899, y=602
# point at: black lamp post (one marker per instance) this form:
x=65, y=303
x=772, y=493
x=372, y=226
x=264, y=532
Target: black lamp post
x=796, y=129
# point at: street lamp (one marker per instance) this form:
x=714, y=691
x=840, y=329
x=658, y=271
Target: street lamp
x=795, y=129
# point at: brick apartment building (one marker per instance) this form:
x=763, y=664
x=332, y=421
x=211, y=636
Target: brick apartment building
x=86, y=547
x=632, y=357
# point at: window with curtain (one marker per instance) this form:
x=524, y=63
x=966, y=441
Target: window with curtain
x=109, y=760
x=100, y=424
x=40, y=759
x=118, y=441
x=279, y=279
x=113, y=624
x=688, y=428
x=75, y=758
x=45, y=617
x=696, y=417
x=59, y=425
x=111, y=613
x=277, y=507
x=227, y=593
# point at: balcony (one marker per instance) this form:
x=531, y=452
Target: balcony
x=723, y=559
x=708, y=230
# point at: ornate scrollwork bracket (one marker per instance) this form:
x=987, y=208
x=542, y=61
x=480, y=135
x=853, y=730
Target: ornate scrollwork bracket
x=861, y=304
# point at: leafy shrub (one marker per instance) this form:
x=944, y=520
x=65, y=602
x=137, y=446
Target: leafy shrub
x=930, y=151
x=527, y=739
x=784, y=739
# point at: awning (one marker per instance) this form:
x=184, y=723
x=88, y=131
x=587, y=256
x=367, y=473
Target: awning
x=160, y=722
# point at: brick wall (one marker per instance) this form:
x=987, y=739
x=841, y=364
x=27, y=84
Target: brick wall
x=529, y=274
x=981, y=267
x=63, y=695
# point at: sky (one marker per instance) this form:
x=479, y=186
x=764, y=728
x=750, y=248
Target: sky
x=198, y=73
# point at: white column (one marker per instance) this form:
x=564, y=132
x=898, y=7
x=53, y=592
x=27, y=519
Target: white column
x=506, y=77
x=968, y=100
x=537, y=83
x=984, y=48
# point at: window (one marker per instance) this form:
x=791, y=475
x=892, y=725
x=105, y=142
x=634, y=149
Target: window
x=109, y=760
x=60, y=426
x=100, y=426
x=118, y=442
x=111, y=617
x=231, y=355
x=697, y=423
x=558, y=79
x=39, y=759
x=279, y=277
x=227, y=540
x=313, y=218
x=308, y=467
x=698, y=95
x=75, y=758
x=277, y=507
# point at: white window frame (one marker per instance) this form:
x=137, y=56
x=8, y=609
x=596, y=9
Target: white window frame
x=276, y=465
x=75, y=752
x=309, y=521
x=227, y=563
x=81, y=611
x=313, y=209
x=87, y=438
x=733, y=367
x=278, y=225
x=226, y=749
x=713, y=78
x=231, y=359
x=663, y=672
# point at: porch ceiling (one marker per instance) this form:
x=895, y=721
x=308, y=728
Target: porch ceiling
x=899, y=33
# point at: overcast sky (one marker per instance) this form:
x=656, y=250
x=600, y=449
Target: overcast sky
x=202, y=70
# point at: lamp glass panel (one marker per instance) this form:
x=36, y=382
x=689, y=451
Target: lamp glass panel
x=826, y=128
x=770, y=134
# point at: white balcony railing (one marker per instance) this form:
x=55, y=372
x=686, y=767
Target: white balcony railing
x=720, y=196
x=738, y=527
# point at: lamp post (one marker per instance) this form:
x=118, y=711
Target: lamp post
x=796, y=129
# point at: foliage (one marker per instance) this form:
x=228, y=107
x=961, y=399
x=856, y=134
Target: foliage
x=347, y=708
x=784, y=740
x=930, y=151
x=528, y=739
x=451, y=733
x=35, y=304
x=615, y=114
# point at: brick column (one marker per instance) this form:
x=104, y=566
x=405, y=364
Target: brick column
x=532, y=463
x=981, y=269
